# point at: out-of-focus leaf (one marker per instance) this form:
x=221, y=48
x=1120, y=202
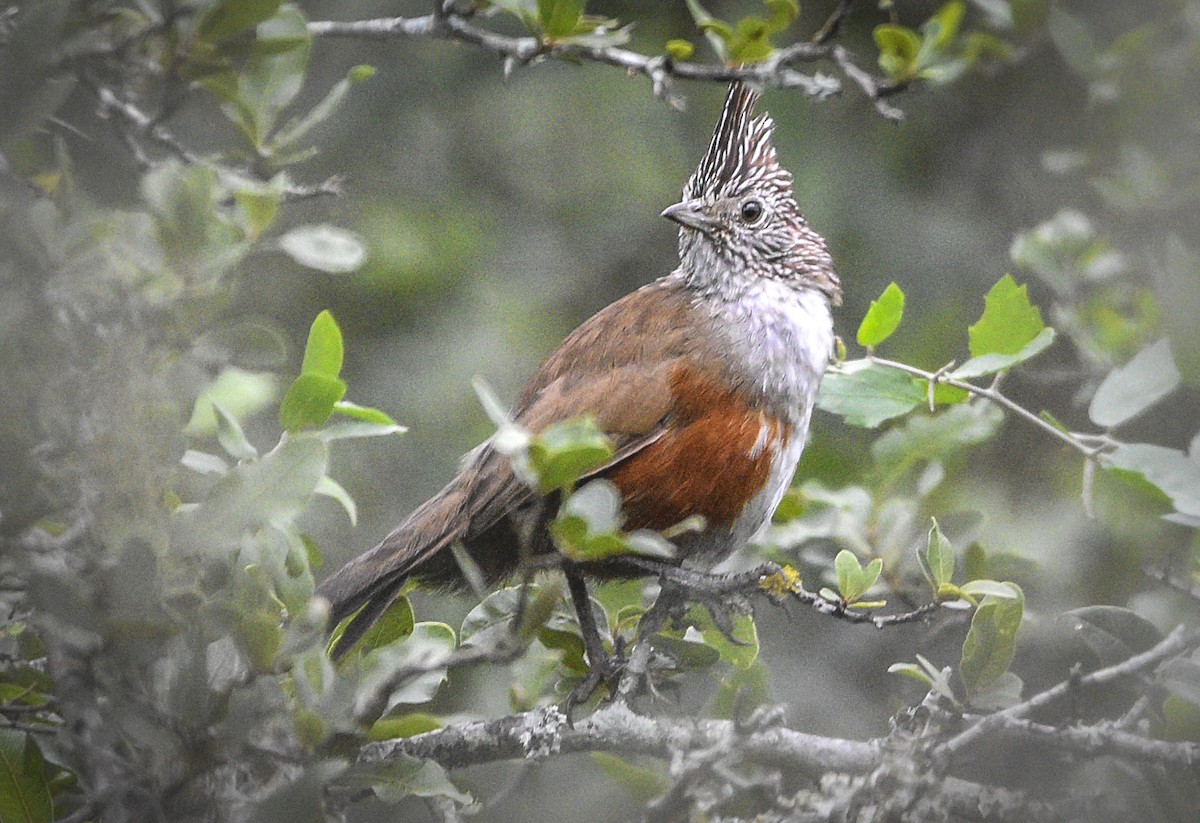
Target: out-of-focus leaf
x=231, y=437
x=866, y=395
x=1139, y=384
x=1169, y=470
x=428, y=645
x=937, y=561
x=898, y=49
x=882, y=318
x=641, y=782
x=295, y=131
x=1113, y=634
x=326, y=248
x=402, y=776
x=1182, y=677
x=1002, y=693
x=991, y=641
x=565, y=451
x=559, y=17
x=409, y=724
x=227, y=18
x=396, y=623
x=24, y=791
x=740, y=654
x=247, y=345
x=271, y=490
x=344, y=431
x=680, y=49
x=240, y=393
x=328, y=487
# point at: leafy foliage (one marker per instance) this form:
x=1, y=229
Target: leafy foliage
x=159, y=630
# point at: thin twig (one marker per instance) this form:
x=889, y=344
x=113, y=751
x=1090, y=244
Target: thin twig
x=143, y=125
x=1094, y=740
x=1178, y=641
x=992, y=394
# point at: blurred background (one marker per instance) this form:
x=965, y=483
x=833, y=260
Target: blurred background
x=500, y=213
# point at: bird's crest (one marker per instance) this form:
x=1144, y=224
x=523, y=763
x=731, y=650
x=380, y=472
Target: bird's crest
x=740, y=150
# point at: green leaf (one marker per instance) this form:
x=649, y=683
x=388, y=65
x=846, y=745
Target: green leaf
x=409, y=724
x=742, y=653
x=559, y=17
x=1131, y=389
x=866, y=395
x=641, y=782
x=1009, y=322
x=309, y=401
x=1113, y=634
x=404, y=776
x=991, y=363
x=938, y=559
x=24, y=790
x=942, y=27
x=852, y=579
x=227, y=18
x=344, y=431
x=987, y=588
x=295, y=130
x=269, y=82
x=898, y=49
x=324, y=351
x=364, y=413
x=325, y=248
x=395, y=624
x=991, y=641
x=680, y=49
x=566, y=451
x=716, y=31
x=689, y=649
x=1002, y=693
x=426, y=646
x=883, y=317
x=1169, y=470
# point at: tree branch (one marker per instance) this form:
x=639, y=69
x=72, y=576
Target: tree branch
x=1177, y=642
x=616, y=728
x=776, y=71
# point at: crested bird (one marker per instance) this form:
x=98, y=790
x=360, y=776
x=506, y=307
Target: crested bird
x=704, y=380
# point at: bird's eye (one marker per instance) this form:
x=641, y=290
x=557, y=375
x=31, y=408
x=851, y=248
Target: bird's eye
x=752, y=210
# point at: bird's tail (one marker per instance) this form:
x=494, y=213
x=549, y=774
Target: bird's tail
x=368, y=584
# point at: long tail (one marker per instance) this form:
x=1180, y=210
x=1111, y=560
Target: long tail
x=370, y=582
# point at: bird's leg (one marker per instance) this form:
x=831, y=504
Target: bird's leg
x=600, y=664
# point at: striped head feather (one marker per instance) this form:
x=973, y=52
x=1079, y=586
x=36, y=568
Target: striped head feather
x=739, y=213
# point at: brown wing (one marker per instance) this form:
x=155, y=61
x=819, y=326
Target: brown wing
x=617, y=368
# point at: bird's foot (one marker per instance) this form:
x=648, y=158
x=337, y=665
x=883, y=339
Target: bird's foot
x=603, y=671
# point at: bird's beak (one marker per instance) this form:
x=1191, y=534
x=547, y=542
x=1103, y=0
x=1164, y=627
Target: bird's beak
x=688, y=214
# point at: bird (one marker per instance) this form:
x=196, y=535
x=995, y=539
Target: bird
x=704, y=380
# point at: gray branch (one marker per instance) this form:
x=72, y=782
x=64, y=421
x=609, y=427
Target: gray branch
x=1178, y=641
x=616, y=728
x=778, y=71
